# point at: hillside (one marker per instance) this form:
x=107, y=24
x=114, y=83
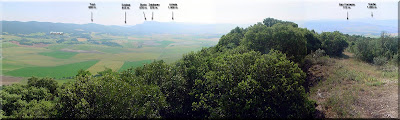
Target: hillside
x=350, y=88
x=272, y=69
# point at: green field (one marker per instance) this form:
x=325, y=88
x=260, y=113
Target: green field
x=59, y=54
x=133, y=64
x=96, y=54
x=165, y=43
x=9, y=67
x=55, y=72
x=8, y=44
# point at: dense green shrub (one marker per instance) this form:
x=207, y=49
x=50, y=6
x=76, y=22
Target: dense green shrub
x=363, y=51
x=269, y=22
x=109, y=96
x=233, y=38
x=333, y=43
x=48, y=83
x=37, y=109
x=251, y=85
x=34, y=100
x=285, y=38
x=376, y=50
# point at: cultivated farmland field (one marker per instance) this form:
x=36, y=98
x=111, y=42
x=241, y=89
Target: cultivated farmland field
x=102, y=65
x=59, y=54
x=67, y=70
x=60, y=57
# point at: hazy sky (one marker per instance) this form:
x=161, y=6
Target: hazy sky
x=109, y=12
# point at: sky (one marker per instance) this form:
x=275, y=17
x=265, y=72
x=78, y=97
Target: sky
x=109, y=12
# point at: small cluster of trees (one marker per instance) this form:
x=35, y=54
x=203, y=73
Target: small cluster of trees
x=25, y=42
x=37, y=99
x=112, y=44
x=284, y=36
x=251, y=73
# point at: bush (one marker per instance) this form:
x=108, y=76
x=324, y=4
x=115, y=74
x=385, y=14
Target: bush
x=333, y=43
x=110, y=96
x=317, y=57
x=252, y=85
x=379, y=61
x=396, y=59
x=234, y=37
x=318, y=53
x=286, y=38
x=363, y=51
x=269, y=22
x=48, y=83
x=373, y=50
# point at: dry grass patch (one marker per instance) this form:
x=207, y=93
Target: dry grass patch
x=354, y=89
x=102, y=65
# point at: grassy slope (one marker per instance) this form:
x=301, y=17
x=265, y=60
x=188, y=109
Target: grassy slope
x=354, y=88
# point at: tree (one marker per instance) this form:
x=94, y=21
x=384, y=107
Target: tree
x=333, y=43
x=47, y=83
x=233, y=38
x=74, y=40
x=37, y=109
x=110, y=96
x=83, y=73
x=381, y=49
x=252, y=85
x=281, y=80
x=61, y=40
x=363, y=50
x=313, y=42
x=16, y=99
x=285, y=38
x=269, y=22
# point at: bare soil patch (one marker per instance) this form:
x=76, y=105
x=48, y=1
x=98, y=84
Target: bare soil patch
x=8, y=80
x=80, y=51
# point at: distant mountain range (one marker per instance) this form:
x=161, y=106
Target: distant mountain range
x=360, y=27
x=16, y=27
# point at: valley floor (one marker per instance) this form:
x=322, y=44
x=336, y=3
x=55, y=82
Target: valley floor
x=350, y=88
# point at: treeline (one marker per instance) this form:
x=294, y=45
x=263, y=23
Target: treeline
x=252, y=72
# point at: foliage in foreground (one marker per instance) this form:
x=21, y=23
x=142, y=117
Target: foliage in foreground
x=200, y=85
x=251, y=73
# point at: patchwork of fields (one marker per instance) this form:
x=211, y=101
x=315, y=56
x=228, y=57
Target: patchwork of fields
x=63, y=59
